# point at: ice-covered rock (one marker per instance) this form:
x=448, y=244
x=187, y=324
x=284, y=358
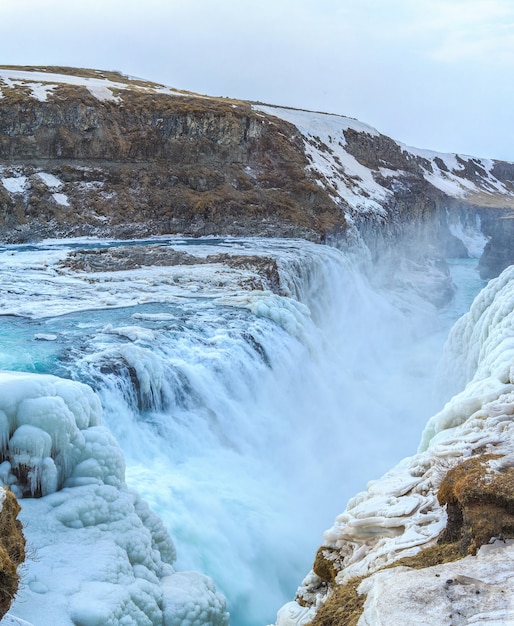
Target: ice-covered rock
x=101, y=557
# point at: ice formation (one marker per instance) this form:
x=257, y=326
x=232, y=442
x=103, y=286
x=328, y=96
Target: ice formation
x=103, y=558
x=399, y=514
x=202, y=384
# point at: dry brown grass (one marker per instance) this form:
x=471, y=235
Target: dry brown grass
x=12, y=551
x=343, y=607
x=492, y=200
x=434, y=555
x=480, y=503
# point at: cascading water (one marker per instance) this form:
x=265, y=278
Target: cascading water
x=247, y=418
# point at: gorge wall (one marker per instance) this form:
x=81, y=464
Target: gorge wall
x=84, y=152
x=140, y=161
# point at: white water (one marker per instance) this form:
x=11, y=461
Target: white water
x=254, y=418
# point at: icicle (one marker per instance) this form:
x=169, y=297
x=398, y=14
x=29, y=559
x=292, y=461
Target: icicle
x=4, y=433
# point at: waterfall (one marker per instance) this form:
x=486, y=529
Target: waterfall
x=248, y=418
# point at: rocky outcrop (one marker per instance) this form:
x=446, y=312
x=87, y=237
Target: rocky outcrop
x=479, y=498
x=499, y=251
x=147, y=162
x=12, y=549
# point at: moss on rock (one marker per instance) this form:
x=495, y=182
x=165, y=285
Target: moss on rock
x=343, y=607
x=479, y=495
x=12, y=551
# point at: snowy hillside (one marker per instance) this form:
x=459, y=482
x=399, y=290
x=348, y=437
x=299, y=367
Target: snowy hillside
x=368, y=187
x=104, y=154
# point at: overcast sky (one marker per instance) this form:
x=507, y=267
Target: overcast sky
x=435, y=74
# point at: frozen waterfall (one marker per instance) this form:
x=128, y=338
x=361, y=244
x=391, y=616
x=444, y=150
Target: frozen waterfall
x=246, y=417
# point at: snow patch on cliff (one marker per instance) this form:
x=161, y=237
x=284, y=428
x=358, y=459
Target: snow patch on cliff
x=343, y=176
x=61, y=199
x=447, y=172
x=50, y=180
x=15, y=184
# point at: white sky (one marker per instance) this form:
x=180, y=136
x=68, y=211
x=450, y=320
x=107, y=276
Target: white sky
x=435, y=74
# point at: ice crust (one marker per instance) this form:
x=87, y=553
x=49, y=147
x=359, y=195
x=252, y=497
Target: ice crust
x=399, y=514
x=103, y=558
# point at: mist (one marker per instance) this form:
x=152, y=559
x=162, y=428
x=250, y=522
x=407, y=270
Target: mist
x=252, y=420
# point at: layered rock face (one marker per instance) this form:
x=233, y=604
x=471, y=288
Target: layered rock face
x=137, y=159
x=84, y=152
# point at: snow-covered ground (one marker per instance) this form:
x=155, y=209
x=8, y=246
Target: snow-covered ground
x=41, y=83
x=361, y=187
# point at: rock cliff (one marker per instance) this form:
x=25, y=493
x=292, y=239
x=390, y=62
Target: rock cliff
x=129, y=158
x=84, y=152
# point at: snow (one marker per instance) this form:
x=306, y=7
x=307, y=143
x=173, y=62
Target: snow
x=50, y=180
x=42, y=83
x=102, y=92
x=102, y=557
x=15, y=79
x=399, y=513
x=471, y=236
x=345, y=178
x=452, y=181
x=478, y=589
x=61, y=199
x=180, y=589
x=10, y=620
x=38, y=286
x=15, y=184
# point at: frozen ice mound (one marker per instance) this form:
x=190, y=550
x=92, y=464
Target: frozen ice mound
x=101, y=557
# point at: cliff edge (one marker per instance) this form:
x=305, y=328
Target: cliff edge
x=12, y=549
x=434, y=537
